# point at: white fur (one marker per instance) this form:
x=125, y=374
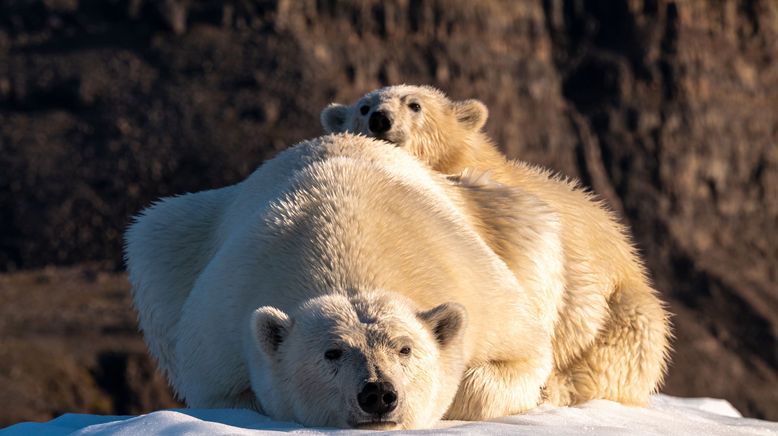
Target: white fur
x=345, y=241
x=611, y=332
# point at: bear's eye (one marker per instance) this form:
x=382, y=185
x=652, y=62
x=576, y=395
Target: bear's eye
x=405, y=351
x=333, y=354
x=364, y=109
x=415, y=106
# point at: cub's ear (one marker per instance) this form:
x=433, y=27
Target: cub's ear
x=333, y=118
x=471, y=114
x=270, y=328
x=447, y=322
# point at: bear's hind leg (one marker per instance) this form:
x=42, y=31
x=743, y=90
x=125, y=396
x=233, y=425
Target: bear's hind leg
x=627, y=361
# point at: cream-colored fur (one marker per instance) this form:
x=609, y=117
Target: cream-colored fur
x=350, y=244
x=611, y=331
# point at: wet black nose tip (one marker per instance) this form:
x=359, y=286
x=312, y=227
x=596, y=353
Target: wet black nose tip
x=377, y=398
x=379, y=122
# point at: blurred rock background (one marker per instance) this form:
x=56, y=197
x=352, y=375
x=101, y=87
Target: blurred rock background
x=667, y=109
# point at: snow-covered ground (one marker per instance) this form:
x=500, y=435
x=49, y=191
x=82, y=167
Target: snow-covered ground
x=666, y=416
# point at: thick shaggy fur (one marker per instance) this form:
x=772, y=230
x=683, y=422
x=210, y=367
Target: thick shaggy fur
x=348, y=243
x=611, y=331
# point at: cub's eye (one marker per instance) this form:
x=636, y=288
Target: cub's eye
x=333, y=354
x=415, y=106
x=405, y=351
x=364, y=109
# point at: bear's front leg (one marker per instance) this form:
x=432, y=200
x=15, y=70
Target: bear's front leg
x=499, y=388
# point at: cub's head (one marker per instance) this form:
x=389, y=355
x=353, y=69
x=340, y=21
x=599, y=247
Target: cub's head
x=420, y=119
x=369, y=361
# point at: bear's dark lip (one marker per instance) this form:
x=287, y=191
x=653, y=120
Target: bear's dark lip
x=378, y=424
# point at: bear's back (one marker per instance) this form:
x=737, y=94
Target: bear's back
x=359, y=214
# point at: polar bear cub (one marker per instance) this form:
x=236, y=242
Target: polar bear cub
x=611, y=330
x=344, y=284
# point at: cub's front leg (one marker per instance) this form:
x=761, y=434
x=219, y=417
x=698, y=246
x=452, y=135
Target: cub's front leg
x=500, y=388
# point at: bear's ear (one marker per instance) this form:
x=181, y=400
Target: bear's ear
x=270, y=327
x=472, y=114
x=447, y=321
x=333, y=118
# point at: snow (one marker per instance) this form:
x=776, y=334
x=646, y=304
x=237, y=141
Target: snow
x=666, y=416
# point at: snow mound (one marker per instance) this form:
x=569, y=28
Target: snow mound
x=666, y=416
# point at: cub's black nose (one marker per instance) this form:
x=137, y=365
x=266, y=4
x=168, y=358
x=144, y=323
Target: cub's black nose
x=379, y=122
x=377, y=398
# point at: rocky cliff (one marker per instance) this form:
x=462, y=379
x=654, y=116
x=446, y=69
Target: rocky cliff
x=665, y=109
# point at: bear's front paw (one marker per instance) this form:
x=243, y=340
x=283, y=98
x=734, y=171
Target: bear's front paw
x=557, y=391
x=495, y=389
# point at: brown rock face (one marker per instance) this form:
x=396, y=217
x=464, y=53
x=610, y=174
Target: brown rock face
x=69, y=343
x=666, y=109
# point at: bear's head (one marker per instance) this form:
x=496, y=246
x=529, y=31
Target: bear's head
x=419, y=119
x=367, y=361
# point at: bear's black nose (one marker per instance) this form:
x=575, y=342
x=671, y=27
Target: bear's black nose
x=377, y=398
x=379, y=122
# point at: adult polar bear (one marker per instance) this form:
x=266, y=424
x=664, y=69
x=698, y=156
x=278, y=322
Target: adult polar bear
x=611, y=333
x=344, y=284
